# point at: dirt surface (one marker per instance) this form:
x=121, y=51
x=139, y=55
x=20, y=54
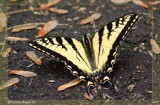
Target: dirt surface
x=133, y=65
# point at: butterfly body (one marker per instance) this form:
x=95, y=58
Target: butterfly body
x=92, y=58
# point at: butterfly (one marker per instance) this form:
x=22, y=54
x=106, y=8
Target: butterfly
x=92, y=58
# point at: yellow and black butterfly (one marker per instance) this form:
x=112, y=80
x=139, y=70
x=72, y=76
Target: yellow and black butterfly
x=92, y=58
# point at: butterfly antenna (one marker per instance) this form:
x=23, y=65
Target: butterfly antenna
x=70, y=28
x=93, y=23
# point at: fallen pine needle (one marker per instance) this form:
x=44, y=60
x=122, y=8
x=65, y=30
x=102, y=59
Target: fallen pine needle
x=8, y=83
x=23, y=73
x=69, y=84
x=34, y=57
x=155, y=46
x=16, y=39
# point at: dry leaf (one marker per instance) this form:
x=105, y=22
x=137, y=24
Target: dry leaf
x=149, y=91
x=6, y=52
x=24, y=27
x=154, y=2
x=13, y=0
x=51, y=81
x=130, y=87
x=10, y=82
x=155, y=8
x=107, y=96
x=87, y=96
x=23, y=73
x=155, y=102
x=81, y=9
x=45, y=6
x=150, y=53
x=3, y=21
x=93, y=17
x=32, y=1
x=120, y=1
x=140, y=3
x=34, y=57
x=31, y=8
x=116, y=88
x=16, y=39
x=69, y=84
x=60, y=11
x=50, y=25
x=155, y=46
x=78, y=1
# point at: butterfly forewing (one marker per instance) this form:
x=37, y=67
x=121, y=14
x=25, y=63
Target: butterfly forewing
x=68, y=48
x=107, y=39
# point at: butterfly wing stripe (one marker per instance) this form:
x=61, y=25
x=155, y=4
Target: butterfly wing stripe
x=96, y=42
x=59, y=40
x=69, y=48
x=77, y=51
x=106, y=39
x=130, y=23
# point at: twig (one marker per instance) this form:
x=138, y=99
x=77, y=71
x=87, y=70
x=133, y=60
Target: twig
x=3, y=45
x=24, y=25
x=4, y=36
x=24, y=10
x=42, y=7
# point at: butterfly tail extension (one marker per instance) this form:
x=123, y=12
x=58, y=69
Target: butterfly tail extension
x=89, y=88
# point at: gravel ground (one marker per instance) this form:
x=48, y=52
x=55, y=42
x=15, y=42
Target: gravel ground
x=133, y=65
